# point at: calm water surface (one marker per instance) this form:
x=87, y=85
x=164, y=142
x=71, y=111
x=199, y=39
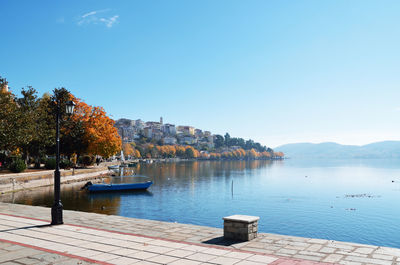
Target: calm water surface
x=292, y=197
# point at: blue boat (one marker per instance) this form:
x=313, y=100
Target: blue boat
x=117, y=187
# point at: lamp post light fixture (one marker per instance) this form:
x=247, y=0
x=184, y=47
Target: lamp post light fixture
x=56, y=209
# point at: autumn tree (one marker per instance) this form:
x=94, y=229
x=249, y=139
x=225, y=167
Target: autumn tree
x=252, y=154
x=190, y=152
x=128, y=149
x=89, y=130
x=137, y=154
x=180, y=151
x=171, y=151
x=102, y=136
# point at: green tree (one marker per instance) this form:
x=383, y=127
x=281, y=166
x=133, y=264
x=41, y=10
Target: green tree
x=227, y=139
x=219, y=141
x=10, y=121
x=189, y=152
x=28, y=106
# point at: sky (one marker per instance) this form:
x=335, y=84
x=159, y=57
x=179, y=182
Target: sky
x=277, y=72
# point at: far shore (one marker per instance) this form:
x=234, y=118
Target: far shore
x=31, y=179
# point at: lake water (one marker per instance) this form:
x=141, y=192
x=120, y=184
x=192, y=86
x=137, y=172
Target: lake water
x=352, y=200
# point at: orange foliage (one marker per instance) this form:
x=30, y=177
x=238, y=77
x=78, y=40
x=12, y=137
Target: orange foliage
x=127, y=148
x=100, y=133
x=137, y=154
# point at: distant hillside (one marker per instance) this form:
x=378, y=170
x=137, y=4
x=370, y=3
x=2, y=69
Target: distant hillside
x=386, y=149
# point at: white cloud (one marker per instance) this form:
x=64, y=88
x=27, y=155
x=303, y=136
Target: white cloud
x=110, y=21
x=93, y=17
x=89, y=14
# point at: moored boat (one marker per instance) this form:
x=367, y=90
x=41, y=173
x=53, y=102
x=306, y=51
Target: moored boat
x=117, y=187
x=113, y=167
x=132, y=164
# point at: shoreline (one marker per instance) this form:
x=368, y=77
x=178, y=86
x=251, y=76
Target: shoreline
x=30, y=180
x=15, y=182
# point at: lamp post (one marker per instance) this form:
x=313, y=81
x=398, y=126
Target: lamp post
x=56, y=209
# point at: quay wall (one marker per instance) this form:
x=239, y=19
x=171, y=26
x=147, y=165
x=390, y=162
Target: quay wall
x=29, y=180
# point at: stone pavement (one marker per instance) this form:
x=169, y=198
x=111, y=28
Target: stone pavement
x=10, y=253
x=97, y=238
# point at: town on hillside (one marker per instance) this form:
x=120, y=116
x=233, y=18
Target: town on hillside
x=158, y=133
x=167, y=134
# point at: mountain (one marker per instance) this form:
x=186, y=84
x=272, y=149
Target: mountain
x=386, y=149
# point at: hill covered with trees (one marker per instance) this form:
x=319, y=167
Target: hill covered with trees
x=385, y=149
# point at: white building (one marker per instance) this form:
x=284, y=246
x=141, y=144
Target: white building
x=188, y=140
x=168, y=129
x=148, y=132
x=169, y=140
x=139, y=124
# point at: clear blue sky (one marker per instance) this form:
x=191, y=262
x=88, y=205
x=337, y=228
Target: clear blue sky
x=274, y=71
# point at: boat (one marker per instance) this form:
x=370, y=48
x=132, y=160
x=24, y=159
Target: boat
x=113, y=167
x=132, y=164
x=123, y=165
x=117, y=187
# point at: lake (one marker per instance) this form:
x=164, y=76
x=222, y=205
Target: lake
x=349, y=200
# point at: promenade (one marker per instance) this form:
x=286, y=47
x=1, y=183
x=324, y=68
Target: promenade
x=26, y=238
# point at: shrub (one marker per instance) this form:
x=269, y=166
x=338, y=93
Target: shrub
x=37, y=164
x=65, y=164
x=86, y=160
x=50, y=163
x=43, y=160
x=3, y=159
x=18, y=165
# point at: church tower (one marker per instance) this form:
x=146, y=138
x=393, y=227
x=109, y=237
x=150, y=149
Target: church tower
x=161, y=120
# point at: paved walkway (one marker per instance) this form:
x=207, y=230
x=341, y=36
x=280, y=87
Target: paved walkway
x=36, y=240
x=105, y=239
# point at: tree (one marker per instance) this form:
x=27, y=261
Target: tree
x=10, y=121
x=28, y=107
x=128, y=149
x=171, y=151
x=89, y=130
x=189, y=152
x=73, y=138
x=252, y=153
x=219, y=141
x=137, y=154
x=39, y=124
x=103, y=137
x=140, y=151
x=227, y=140
x=180, y=151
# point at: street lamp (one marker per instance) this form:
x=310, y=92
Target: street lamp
x=56, y=209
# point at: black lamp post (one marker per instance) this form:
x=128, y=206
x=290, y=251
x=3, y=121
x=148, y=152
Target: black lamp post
x=56, y=210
